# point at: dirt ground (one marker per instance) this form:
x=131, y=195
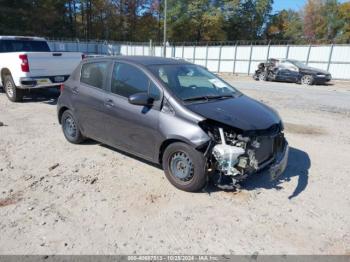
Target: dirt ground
x=59, y=198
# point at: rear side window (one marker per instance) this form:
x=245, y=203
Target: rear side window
x=128, y=80
x=8, y=46
x=94, y=74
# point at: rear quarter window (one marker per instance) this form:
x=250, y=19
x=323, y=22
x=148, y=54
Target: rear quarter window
x=94, y=74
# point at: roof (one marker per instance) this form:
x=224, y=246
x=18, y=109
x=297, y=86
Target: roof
x=32, y=38
x=147, y=60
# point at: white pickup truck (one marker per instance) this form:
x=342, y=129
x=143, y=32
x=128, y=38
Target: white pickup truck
x=27, y=63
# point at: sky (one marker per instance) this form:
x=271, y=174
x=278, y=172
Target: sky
x=292, y=4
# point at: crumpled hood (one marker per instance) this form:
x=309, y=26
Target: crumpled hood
x=241, y=113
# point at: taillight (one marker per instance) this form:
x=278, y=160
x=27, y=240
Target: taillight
x=61, y=87
x=25, y=63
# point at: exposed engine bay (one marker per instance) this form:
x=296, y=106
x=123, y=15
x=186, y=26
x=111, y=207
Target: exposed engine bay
x=233, y=157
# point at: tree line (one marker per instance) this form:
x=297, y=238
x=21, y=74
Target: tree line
x=188, y=20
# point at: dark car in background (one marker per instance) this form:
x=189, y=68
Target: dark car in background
x=176, y=114
x=289, y=70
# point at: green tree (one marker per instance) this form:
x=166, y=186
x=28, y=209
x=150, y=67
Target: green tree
x=16, y=17
x=231, y=12
x=247, y=19
x=312, y=19
x=286, y=25
x=344, y=16
x=263, y=10
x=197, y=20
x=330, y=23
x=49, y=17
x=206, y=21
x=188, y=20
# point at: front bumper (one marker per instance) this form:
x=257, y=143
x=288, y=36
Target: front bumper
x=280, y=163
x=41, y=82
x=319, y=79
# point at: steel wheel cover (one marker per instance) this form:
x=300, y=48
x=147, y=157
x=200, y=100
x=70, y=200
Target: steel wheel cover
x=70, y=127
x=181, y=166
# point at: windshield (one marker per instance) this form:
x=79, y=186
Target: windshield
x=298, y=64
x=191, y=82
x=7, y=46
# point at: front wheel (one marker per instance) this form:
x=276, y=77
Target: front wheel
x=263, y=76
x=185, y=167
x=307, y=80
x=12, y=92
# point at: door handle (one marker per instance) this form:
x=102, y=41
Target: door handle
x=75, y=90
x=109, y=103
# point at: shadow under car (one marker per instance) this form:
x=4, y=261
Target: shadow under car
x=298, y=166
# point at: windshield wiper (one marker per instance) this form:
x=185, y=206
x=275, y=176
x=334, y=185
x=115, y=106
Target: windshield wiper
x=197, y=98
x=220, y=96
x=207, y=98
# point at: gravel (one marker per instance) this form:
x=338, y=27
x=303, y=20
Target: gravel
x=102, y=201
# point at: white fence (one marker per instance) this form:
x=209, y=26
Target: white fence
x=238, y=59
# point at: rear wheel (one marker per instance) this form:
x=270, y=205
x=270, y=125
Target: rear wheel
x=307, y=80
x=262, y=76
x=184, y=167
x=70, y=128
x=13, y=93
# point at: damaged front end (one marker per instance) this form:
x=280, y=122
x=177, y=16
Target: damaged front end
x=235, y=155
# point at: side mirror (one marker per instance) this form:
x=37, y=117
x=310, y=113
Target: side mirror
x=141, y=99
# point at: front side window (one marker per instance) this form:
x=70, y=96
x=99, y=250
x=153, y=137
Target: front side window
x=298, y=64
x=288, y=65
x=128, y=80
x=191, y=82
x=94, y=74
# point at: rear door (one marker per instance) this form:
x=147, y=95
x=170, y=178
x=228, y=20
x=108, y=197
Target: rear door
x=131, y=127
x=89, y=99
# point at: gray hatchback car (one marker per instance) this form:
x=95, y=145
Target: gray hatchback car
x=176, y=114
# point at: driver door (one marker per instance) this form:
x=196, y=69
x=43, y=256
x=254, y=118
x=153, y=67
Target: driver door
x=132, y=128
x=288, y=71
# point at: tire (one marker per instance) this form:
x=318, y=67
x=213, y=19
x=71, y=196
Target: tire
x=263, y=76
x=70, y=128
x=185, y=167
x=307, y=80
x=12, y=92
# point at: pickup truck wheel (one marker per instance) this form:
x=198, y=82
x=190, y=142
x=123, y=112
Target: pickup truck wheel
x=307, y=80
x=12, y=92
x=184, y=167
x=70, y=128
